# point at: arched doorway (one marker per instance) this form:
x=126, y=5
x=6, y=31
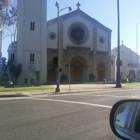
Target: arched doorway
x=78, y=69
x=101, y=71
x=132, y=74
x=51, y=74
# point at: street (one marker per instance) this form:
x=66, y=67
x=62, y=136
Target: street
x=77, y=116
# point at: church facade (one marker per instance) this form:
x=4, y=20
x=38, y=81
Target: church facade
x=85, y=45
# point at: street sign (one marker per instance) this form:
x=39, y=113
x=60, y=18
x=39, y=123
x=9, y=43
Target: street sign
x=66, y=65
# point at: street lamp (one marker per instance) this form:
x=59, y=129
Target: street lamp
x=118, y=84
x=58, y=45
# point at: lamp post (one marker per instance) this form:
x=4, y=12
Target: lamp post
x=1, y=27
x=118, y=84
x=58, y=45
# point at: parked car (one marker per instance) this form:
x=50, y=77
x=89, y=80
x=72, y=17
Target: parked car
x=125, y=119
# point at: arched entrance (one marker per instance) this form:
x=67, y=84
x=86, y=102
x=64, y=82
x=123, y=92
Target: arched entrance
x=132, y=74
x=78, y=69
x=51, y=74
x=101, y=71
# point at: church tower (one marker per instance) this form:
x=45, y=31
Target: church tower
x=32, y=41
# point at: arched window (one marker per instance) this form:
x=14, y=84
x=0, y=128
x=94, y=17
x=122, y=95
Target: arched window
x=12, y=57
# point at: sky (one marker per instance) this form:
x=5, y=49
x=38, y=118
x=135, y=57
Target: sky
x=105, y=12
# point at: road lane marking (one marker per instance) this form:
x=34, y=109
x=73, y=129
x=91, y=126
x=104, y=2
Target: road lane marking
x=117, y=96
x=73, y=102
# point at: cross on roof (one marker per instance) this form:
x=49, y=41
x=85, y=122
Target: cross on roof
x=78, y=5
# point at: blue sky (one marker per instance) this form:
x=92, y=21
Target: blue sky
x=105, y=11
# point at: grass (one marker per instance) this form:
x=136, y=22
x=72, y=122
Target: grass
x=25, y=88
x=132, y=84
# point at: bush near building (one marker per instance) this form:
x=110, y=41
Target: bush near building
x=126, y=79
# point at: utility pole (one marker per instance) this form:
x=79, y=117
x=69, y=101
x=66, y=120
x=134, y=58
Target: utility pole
x=137, y=61
x=118, y=83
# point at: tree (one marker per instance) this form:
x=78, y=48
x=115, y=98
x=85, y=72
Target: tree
x=8, y=19
x=4, y=69
x=14, y=70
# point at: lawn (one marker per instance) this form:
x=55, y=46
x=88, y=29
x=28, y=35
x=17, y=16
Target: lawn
x=25, y=88
x=132, y=84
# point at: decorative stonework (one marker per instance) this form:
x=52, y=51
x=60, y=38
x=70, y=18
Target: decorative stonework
x=52, y=36
x=102, y=40
x=78, y=33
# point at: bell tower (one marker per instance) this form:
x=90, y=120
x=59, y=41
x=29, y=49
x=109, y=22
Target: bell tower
x=32, y=41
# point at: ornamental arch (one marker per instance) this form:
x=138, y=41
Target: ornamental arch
x=78, y=66
x=101, y=71
x=132, y=74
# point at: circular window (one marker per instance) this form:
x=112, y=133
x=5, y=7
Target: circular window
x=78, y=33
x=102, y=39
x=52, y=36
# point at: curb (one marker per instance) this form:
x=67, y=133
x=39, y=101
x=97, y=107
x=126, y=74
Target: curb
x=71, y=92
x=13, y=95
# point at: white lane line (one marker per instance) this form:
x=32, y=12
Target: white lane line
x=73, y=102
x=13, y=98
x=117, y=96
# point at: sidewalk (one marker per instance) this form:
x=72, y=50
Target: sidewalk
x=65, y=89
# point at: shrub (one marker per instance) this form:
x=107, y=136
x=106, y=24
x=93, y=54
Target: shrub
x=91, y=77
x=124, y=79
x=131, y=80
x=64, y=78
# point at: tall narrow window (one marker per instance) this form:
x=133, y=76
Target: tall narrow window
x=120, y=62
x=12, y=57
x=25, y=81
x=111, y=62
x=32, y=25
x=31, y=57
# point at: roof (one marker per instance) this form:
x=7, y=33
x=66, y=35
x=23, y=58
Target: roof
x=78, y=12
x=123, y=46
x=12, y=46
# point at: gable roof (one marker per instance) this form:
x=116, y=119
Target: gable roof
x=78, y=12
x=126, y=48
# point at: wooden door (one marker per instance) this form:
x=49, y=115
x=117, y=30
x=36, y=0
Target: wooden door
x=76, y=73
x=101, y=75
x=51, y=76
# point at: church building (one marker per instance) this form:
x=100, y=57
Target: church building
x=84, y=46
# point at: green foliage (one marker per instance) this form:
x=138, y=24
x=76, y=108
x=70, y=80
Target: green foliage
x=126, y=79
x=25, y=88
x=131, y=80
x=4, y=69
x=91, y=77
x=8, y=18
x=64, y=78
x=3, y=65
x=15, y=70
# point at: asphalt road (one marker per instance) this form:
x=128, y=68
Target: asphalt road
x=81, y=116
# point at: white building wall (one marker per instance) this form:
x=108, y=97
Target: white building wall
x=76, y=19
x=113, y=68
x=32, y=41
x=102, y=46
x=124, y=67
x=133, y=57
x=52, y=43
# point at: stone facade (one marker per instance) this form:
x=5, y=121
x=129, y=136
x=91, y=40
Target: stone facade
x=129, y=63
x=85, y=44
x=91, y=55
